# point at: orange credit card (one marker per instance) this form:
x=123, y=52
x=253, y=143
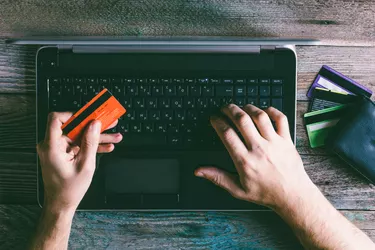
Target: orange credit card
x=103, y=107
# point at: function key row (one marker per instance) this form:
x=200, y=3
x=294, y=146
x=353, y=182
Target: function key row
x=105, y=80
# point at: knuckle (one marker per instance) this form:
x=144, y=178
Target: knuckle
x=52, y=116
x=242, y=119
x=228, y=133
x=261, y=116
x=282, y=118
x=216, y=180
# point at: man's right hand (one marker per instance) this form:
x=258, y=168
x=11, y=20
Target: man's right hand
x=269, y=167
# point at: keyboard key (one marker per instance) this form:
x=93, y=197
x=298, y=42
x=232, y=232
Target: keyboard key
x=132, y=90
x=224, y=90
x=141, y=80
x=174, y=140
x=252, y=81
x=277, y=90
x=123, y=127
x=277, y=81
x=214, y=80
x=157, y=90
x=227, y=81
x=202, y=103
x=226, y=101
x=180, y=115
x=173, y=128
x=207, y=91
x=192, y=115
x=195, y=90
x=253, y=101
x=152, y=103
x=265, y=81
x=135, y=140
x=148, y=127
x=92, y=80
x=142, y=115
x=189, y=80
x=264, y=91
x=136, y=127
x=128, y=102
x=118, y=90
x=165, y=80
x=154, y=115
x=264, y=103
x=252, y=91
x=214, y=102
x=167, y=115
x=170, y=90
x=240, y=102
x=176, y=102
x=161, y=127
x=139, y=103
x=277, y=103
x=239, y=91
x=202, y=80
x=240, y=81
x=116, y=80
x=128, y=81
x=190, y=103
x=144, y=90
x=178, y=80
x=182, y=90
x=164, y=103
x=153, y=80
x=130, y=115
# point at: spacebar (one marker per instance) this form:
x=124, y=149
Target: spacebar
x=143, y=140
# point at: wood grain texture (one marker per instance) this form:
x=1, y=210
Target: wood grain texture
x=333, y=21
x=339, y=183
x=17, y=66
x=172, y=230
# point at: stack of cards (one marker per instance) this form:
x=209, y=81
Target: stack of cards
x=330, y=94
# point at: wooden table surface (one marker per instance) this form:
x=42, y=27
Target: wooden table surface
x=347, y=29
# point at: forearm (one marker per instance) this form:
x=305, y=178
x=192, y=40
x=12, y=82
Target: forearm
x=318, y=225
x=53, y=230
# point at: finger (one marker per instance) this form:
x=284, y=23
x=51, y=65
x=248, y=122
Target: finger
x=112, y=125
x=231, y=141
x=261, y=120
x=281, y=122
x=106, y=148
x=244, y=123
x=89, y=144
x=223, y=179
x=110, y=138
x=54, y=123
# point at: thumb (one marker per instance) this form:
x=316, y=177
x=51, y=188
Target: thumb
x=90, y=141
x=223, y=179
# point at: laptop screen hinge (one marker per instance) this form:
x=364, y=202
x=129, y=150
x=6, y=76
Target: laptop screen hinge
x=267, y=47
x=165, y=49
x=65, y=47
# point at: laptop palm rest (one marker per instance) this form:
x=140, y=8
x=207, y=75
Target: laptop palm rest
x=142, y=183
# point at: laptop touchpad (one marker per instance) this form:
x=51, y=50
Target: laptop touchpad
x=142, y=176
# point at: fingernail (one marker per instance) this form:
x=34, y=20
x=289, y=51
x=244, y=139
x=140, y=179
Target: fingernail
x=96, y=126
x=199, y=174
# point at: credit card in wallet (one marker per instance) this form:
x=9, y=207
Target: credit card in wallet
x=329, y=78
x=103, y=107
x=319, y=123
x=324, y=98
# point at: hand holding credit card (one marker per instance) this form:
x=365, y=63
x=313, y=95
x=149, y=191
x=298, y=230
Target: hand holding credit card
x=103, y=107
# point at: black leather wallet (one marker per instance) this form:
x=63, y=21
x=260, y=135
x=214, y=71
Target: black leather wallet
x=353, y=138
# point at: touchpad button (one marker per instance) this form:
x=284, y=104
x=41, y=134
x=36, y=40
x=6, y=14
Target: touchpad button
x=142, y=176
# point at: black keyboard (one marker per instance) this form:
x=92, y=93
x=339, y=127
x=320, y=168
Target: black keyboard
x=167, y=112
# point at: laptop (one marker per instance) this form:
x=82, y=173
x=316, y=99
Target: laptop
x=170, y=87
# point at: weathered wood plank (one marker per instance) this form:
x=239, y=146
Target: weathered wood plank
x=343, y=186
x=332, y=21
x=17, y=66
x=177, y=230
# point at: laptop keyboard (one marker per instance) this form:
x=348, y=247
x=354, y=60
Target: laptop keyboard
x=167, y=112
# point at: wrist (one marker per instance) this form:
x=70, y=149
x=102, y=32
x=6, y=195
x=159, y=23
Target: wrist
x=58, y=211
